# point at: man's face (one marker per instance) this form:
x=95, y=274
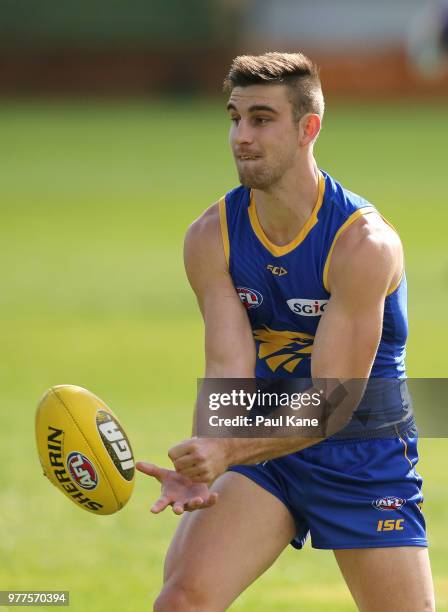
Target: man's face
x=263, y=135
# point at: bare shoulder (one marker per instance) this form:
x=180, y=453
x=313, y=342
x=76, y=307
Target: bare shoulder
x=205, y=228
x=204, y=254
x=370, y=247
x=370, y=229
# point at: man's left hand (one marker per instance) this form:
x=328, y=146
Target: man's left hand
x=200, y=459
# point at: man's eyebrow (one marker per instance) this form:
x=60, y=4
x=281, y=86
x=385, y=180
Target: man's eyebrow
x=254, y=108
x=262, y=107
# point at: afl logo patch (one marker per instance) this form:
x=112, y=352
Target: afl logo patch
x=307, y=308
x=388, y=503
x=250, y=297
x=82, y=471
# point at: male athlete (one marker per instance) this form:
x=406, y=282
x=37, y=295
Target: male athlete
x=322, y=274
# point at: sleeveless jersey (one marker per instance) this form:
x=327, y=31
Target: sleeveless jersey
x=285, y=290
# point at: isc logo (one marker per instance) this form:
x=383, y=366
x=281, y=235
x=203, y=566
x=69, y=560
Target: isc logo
x=390, y=525
x=250, y=297
x=276, y=270
x=82, y=470
x=116, y=443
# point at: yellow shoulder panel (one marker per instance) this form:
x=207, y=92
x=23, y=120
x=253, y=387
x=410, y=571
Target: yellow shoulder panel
x=224, y=228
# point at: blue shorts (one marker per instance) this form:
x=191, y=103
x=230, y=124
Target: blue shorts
x=349, y=493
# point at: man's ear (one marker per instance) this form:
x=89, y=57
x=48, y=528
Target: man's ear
x=309, y=128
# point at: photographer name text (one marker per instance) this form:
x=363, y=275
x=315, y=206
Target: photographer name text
x=261, y=421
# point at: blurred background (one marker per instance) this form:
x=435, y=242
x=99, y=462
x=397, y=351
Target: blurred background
x=113, y=138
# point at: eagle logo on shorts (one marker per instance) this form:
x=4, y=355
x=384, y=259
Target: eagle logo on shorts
x=283, y=348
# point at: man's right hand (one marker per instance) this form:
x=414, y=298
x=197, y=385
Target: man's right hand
x=178, y=491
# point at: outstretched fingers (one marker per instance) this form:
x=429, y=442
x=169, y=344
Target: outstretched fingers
x=150, y=469
x=161, y=504
x=199, y=503
x=177, y=490
x=212, y=499
x=194, y=504
x=178, y=507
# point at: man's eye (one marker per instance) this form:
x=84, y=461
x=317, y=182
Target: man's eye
x=234, y=119
x=262, y=120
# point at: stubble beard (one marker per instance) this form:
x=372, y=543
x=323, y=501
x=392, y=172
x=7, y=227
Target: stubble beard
x=259, y=179
x=263, y=177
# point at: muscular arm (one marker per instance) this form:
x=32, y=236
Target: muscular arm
x=367, y=260
x=229, y=345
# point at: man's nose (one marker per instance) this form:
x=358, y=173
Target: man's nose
x=243, y=133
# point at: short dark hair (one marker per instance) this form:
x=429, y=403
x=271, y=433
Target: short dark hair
x=295, y=70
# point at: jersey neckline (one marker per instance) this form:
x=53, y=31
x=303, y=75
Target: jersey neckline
x=279, y=250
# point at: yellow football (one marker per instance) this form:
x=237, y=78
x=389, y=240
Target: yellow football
x=84, y=450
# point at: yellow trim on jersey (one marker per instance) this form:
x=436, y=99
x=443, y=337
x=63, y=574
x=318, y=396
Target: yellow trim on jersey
x=275, y=249
x=224, y=228
x=397, y=284
x=353, y=217
x=405, y=444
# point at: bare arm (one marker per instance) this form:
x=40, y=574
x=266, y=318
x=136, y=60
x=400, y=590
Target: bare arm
x=367, y=260
x=230, y=350
x=229, y=345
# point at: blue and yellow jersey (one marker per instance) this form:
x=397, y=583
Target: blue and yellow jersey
x=285, y=288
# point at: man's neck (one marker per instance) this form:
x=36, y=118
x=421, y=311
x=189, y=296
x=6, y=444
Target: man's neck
x=284, y=209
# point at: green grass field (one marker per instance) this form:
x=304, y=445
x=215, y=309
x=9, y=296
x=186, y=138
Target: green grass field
x=95, y=200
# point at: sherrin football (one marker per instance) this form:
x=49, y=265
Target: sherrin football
x=84, y=450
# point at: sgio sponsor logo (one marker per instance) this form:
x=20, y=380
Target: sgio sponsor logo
x=307, y=308
x=250, y=297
